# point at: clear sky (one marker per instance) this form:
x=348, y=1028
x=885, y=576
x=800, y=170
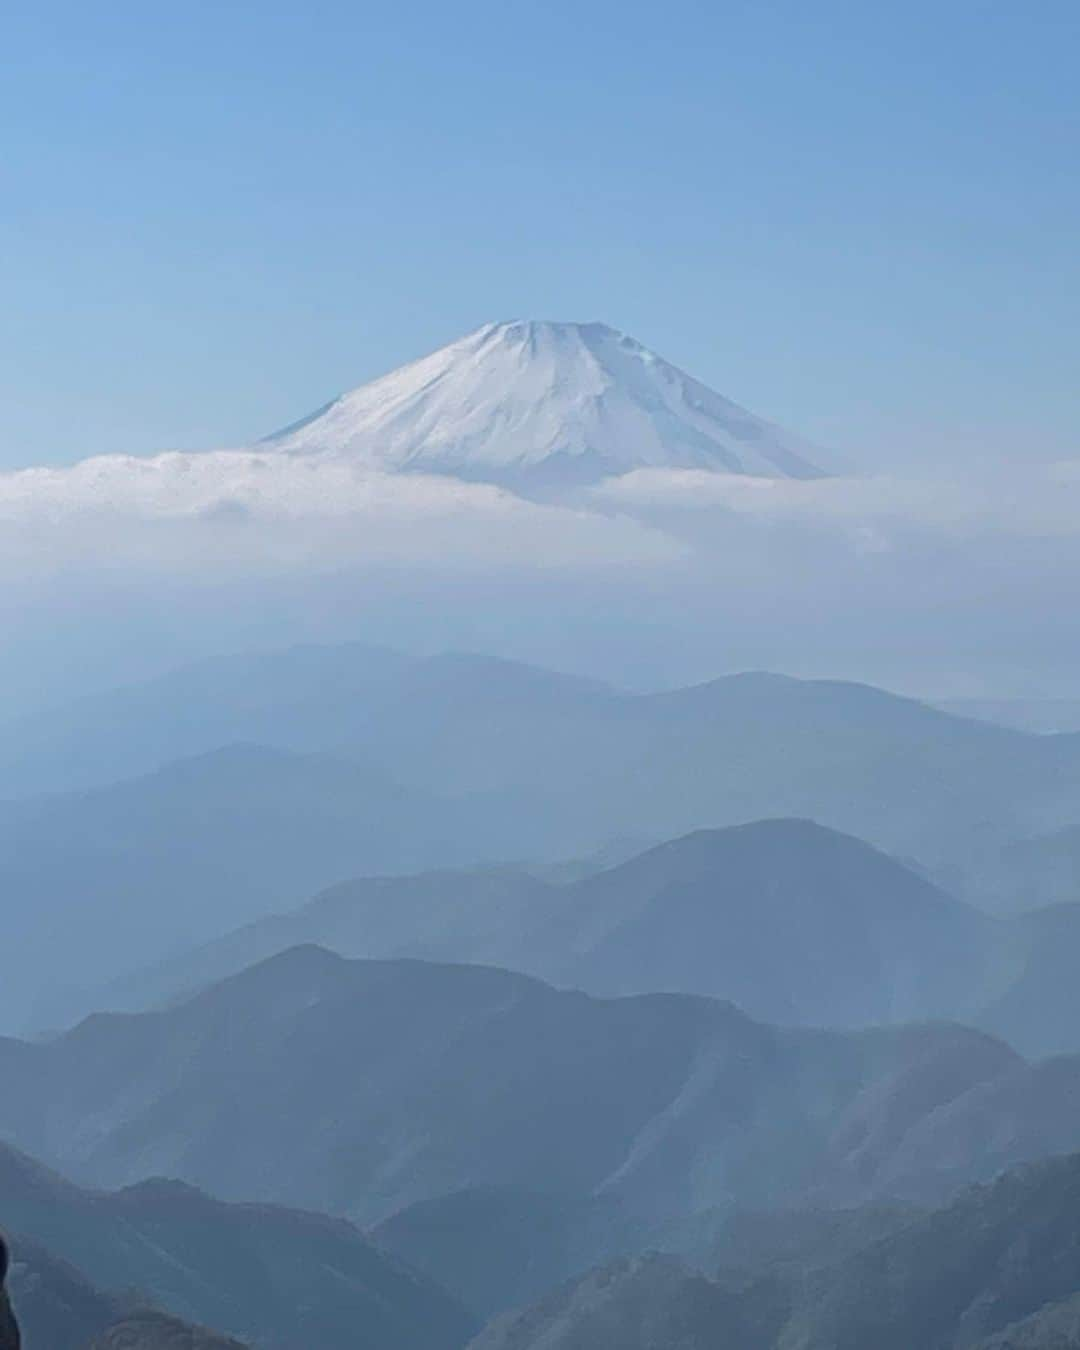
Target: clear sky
x=858, y=218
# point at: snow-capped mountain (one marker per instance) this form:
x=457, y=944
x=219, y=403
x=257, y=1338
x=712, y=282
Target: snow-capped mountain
x=531, y=404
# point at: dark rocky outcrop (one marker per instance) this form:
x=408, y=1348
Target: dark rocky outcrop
x=57, y=1307
x=9, y=1331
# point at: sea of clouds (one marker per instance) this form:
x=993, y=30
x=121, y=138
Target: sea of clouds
x=965, y=580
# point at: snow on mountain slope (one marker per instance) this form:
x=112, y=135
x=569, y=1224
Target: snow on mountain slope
x=544, y=405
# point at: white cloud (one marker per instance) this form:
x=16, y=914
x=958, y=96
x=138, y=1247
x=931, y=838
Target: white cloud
x=252, y=510
x=1037, y=500
x=659, y=571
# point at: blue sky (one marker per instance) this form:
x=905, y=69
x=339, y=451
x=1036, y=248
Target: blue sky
x=860, y=219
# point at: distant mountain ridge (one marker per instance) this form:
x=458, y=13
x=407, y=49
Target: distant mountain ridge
x=1048, y=716
x=892, y=770
x=792, y=922
x=795, y=923
x=297, y=770
x=285, y=1084
x=530, y=404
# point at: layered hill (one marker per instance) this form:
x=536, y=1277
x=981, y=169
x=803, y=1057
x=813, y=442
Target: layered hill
x=793, y=922
x=459, y=760
x=998, y=1268
x=133, y=871
x=593, y=763
x=637, y=1304
x=992, y=1266
x=498, y=1247
x=361, y=1087
x=278, y=1278
x=1040, y=870
x=59, y=1309
x=501, y=1248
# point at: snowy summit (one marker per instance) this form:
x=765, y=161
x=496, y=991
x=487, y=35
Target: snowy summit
x=543, y=405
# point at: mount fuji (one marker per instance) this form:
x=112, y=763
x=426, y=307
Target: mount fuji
x=543, y=406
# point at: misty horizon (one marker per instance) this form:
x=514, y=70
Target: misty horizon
x=539, y=833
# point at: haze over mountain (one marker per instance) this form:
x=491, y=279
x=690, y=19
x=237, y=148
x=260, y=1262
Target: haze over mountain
x=502, y=846
x=792, y=922
x=1039, y=869
x=531, y=404
x=636, y=1304
x=154, y=864
x=604, y=763
x=500, y=1248
x=361, y=1087
x=1044, y=715
x=997, y=1260
x=281, y=1279
x=59, y=1309
x=411, y=1094
x=118, y=868
x=346, y=762
x=795, y=923
x=497, y=1247
x=998, y=1269
x=349, y=761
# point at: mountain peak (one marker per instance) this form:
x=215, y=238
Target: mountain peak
x=517, y=328
x=540, y=403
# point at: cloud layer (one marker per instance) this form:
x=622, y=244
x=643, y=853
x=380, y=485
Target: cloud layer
x=945, y=584
x=1040, y=500
x=245, y=510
